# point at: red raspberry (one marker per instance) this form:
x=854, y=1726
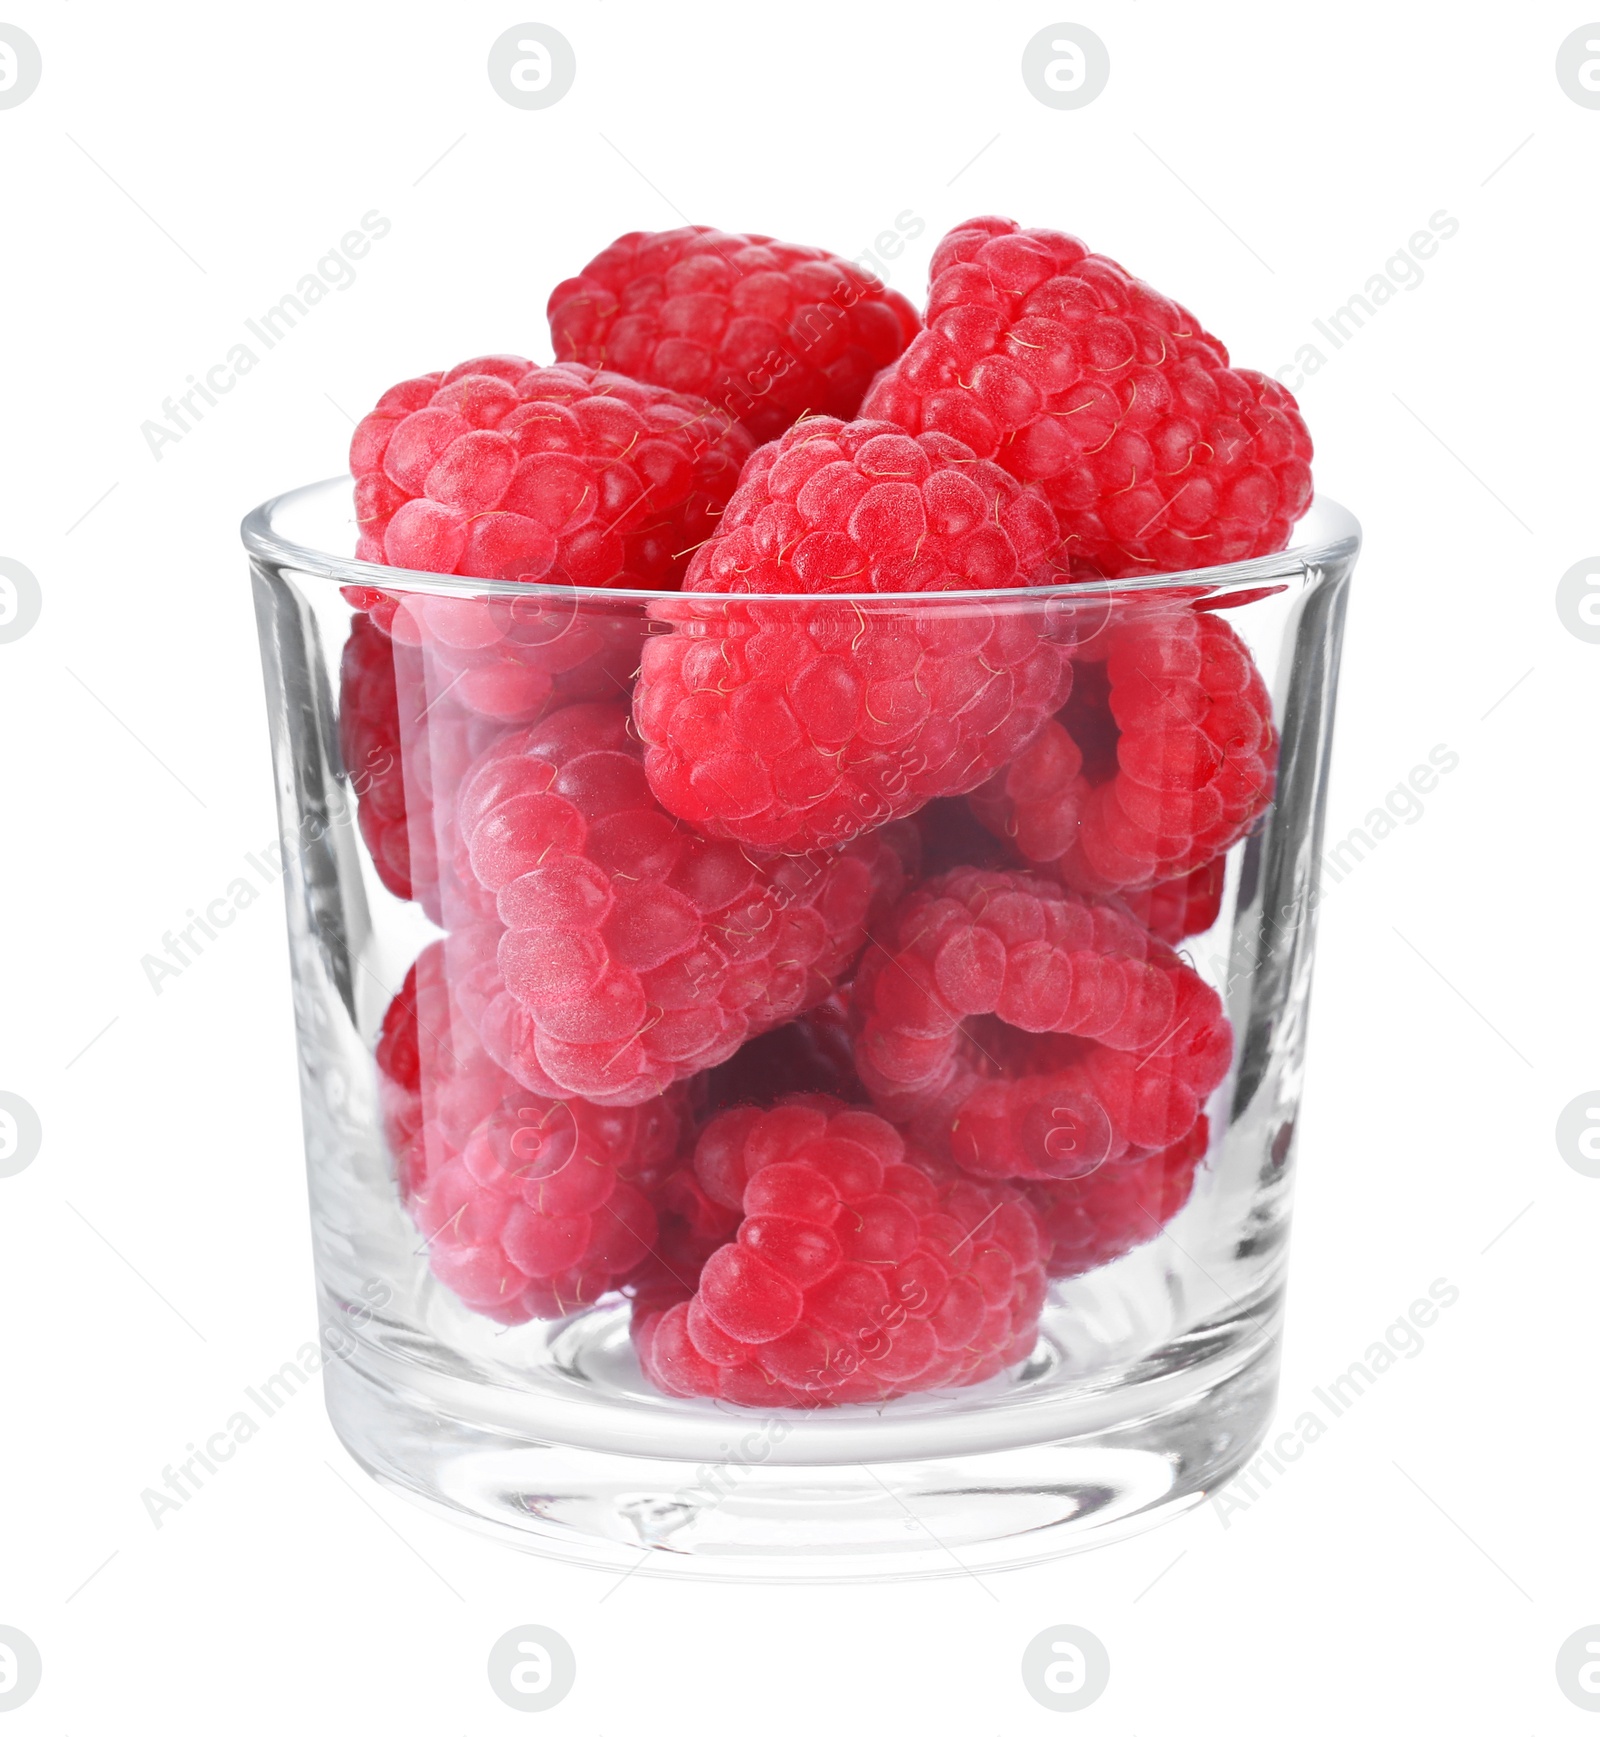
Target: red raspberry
x=435, y=1082
x=504, y=470
x=399, y=1065
x=636, y=952
x=509, y=660
x=669, y=1277
x=1028, y=1032
x=665, y=1283
x=810, y=1055
x=1155, y=454
x=421, y=700
x=767, y=331
x=795, y=726
x=1099, y=1217
x=398, y=747
x=862, y=1270
x=1163, y=758
x=852, y=507
x=952, y=837
x=546, y=1207
x=369, y=744
x=696, y=1223
x=692, y=1227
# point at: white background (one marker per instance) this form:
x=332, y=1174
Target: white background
x=178, y=170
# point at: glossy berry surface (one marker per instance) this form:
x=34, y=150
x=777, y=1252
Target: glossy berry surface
x=860, y=1270
x=1155, y=454
x=1025, y=1031
x=1164, y=756
x=767, y=331
x=636, y=952
x=501, y=469
x=797, y=725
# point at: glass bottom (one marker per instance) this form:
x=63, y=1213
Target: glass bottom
x=1116, y=1461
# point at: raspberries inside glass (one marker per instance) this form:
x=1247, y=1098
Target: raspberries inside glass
x=861, y=1269
x=805, y=971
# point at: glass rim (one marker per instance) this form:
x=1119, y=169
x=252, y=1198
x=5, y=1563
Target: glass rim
x=262, y=540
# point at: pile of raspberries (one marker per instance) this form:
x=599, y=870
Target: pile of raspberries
x=807, y=970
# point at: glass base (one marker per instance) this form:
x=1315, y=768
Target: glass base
x=1143, y=1451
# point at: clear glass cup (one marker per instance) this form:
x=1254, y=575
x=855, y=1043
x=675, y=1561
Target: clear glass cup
x=502, y=1099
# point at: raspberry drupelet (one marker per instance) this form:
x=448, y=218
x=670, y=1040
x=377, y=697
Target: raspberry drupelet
x=501, y=469
x=1027, y=1032
x=1164, y=756
x=861, y=1269
x=765, y=330
x=1114, y=402
x=797, y=725
x=636, y=952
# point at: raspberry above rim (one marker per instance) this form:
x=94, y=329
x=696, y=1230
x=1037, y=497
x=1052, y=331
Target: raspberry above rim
x=324, y=508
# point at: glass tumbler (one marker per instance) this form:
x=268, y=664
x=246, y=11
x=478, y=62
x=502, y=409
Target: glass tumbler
x=799, y=1088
